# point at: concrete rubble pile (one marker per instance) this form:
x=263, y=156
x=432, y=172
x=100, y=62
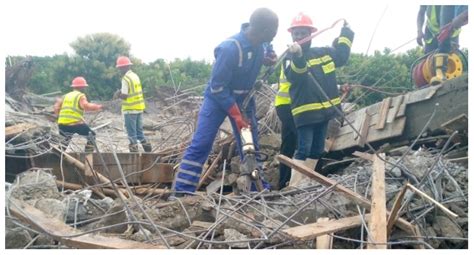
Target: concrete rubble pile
x=425, y=190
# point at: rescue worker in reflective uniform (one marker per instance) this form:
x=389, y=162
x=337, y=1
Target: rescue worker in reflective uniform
x=70, y=111
x=238, y=62
x=133, y=105
x=438, y=17
x=310, y=109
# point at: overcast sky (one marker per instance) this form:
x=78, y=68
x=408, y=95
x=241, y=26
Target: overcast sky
x=180, y=29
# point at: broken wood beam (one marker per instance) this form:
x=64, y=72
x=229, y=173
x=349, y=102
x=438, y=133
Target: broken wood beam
x=314, y=230
x=383, y=112
x=397, y=205
x=14, y=130
x=364, y=130
x=436, y=203
x=378, y=212
x=364, y=155
x=67, y=235
x=354, y=196
x=324, y=241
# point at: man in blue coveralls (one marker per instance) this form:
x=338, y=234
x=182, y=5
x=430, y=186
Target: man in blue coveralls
x=237, y=65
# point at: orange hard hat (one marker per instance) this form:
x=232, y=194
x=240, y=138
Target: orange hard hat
x=79, y=82
x=302, y=20
x=123, y=61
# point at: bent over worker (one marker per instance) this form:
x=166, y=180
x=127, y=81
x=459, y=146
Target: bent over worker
x=238, y=62
x=133, y=105
x=70, y=111
x=310, y=109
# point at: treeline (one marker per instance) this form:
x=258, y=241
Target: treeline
x=94, y=58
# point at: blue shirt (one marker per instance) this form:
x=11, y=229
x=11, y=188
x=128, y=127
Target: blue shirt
x=235, y=70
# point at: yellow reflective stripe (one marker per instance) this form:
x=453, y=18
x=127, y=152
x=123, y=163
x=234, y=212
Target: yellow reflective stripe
x=131, y=88
x=133, y=103
x=330, y=67
x=318, y=61
x=298, y=70
x=316, y=106
x=345, y=40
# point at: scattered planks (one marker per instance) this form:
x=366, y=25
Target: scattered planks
x=314, y=230
x=67, y=235
x=324, y=241
x=378, y=216
x=357, y=198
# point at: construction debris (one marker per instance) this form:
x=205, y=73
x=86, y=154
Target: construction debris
x=411, y=193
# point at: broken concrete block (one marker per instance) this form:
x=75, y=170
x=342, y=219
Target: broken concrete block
x=234, y=235
x=51, y=207
x=16, y=238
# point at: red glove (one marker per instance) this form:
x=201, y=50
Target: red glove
x=445, y=32
x=235, y=114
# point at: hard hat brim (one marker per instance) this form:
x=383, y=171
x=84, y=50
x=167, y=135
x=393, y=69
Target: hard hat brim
x=124, y=65
x=313, y=29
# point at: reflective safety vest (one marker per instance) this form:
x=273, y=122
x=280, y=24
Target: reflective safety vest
x=134, y=100
x=70, y=111
x=432, y=22
x=283, y=95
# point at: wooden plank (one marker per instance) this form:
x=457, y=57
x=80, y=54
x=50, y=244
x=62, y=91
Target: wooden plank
x=364, y=130
x=364, y=155
x=209, y=170
x=348, y=193
x=383, y=113
x=324, y=241
x=391, y=130
x=314, y=230
x=59, y=231
x=378, y=211
x=14, y=130
x=436, y=203
x=392, y=114
x=396, y=209
x=88, y=163
x=403, y=106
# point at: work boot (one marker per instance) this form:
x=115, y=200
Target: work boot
x=297, y=177
x=146, y=146
x=440, y=63
x=133, y=147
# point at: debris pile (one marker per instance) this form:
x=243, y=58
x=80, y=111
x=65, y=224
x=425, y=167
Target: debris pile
x=118, y=201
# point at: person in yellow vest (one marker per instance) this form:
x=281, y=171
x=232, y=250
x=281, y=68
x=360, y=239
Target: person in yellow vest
x=70, y=111
x=288, y=128
x=133, y=105
x=438, y=17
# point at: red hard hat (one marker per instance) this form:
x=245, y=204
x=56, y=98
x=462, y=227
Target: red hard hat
x=123, y=61
x=79, y=82
x=302, y=20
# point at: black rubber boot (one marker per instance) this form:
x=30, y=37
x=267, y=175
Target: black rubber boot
x=146, y=146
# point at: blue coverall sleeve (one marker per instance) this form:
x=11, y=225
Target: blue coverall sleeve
x=222, y=73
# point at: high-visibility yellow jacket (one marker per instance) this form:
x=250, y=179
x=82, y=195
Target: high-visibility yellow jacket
x=135, y=100
x=70, y=111
x=283, y=95
x=433, y=23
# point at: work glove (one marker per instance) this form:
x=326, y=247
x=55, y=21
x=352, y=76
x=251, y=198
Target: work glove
x=296, y=50
x=270, y=58
x=235, y=114
x=445, y=32
x=116, y=94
